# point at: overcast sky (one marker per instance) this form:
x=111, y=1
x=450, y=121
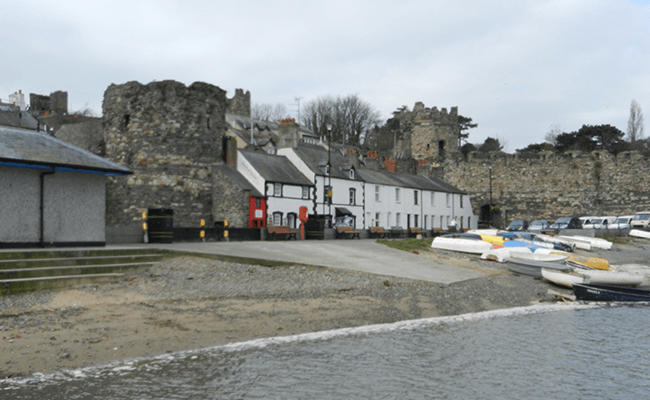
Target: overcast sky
x=515, y=67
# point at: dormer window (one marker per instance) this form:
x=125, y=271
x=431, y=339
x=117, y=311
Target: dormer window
x=351, y=173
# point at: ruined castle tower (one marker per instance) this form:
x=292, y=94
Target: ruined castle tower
x=169, y=135
x=428, y=133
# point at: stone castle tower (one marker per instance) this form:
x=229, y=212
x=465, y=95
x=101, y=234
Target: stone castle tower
x=169, y=135
x=428, y=133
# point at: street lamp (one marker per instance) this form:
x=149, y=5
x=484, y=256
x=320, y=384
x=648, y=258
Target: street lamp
x=490, y=169
x=329, y=173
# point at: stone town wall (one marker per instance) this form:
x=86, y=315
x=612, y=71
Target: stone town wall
x=549, y=185
x=230, y=202
x=169, y=135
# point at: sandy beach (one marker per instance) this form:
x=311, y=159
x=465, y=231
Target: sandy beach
x=189, y=302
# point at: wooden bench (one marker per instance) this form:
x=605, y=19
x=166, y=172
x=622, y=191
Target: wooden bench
x=418, y=231
x=346, y=230
x=379, y=231
x=280, y=230
x=436, y=232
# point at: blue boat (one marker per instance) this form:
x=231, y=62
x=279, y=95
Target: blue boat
x=593, y=292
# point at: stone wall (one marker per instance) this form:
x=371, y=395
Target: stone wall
x=240, y=104
x=549, y=185
x=169, y=135
x=230, y=202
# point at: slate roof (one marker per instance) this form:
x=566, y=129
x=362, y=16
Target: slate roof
x=262, y=130
x=239, y=179
x=9, y=116
x=315, y=157
x=275, y=168
x=407, y=180
x=23, y=147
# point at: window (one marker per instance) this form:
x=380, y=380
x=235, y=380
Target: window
x=433, y=198
x=277, y=190
x=469, y=226
x=397, y=215
x=415, y=197
x=291, y=220
x=277, y=218
x=424, y=221
x=352, y=173
x=448, y=200
x=448, y=220
x=396, y=195
x=441, y=225
x=377, y=216
x=353, y=196
x=377, y=194
x=305, y=192
x=388, y=225
x=433, y=221
x=461, y=201
x=416, y=220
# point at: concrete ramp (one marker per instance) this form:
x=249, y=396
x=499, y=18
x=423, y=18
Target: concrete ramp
x=355, y=255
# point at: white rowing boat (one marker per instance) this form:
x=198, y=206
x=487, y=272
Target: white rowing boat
x=463, y=245
x=640, y=233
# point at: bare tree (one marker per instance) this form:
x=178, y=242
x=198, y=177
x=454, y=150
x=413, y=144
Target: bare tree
x=635, y=123
x=269, y=112
x=351, y=117
x=553, y=132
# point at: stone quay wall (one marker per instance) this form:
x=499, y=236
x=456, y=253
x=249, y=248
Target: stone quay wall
x=169, y=135
x=549, y=185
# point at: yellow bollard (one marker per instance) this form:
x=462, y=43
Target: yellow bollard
x=225, y=231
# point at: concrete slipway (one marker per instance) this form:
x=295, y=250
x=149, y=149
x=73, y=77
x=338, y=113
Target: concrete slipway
x=363, y=255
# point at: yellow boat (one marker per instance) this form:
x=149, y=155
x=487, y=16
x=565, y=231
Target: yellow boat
x=591, y=262
x=492, y=239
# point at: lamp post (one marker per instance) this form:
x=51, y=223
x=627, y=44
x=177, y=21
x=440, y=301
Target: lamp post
x=329, y=173
x=490, y=169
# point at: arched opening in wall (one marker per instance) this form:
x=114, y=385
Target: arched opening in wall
x=441, y=149
x=490, y=217
x=127, y=119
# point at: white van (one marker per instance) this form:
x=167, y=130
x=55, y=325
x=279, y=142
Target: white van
x=622, y=222
x=599, y=222
x=640, y=220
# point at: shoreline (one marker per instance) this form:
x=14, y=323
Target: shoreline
x=187, y=303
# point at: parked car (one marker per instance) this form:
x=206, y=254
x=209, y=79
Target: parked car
x=518, y=225
x=538, y=225
x=599, y=223
x=621, y=222
x=566, y=223
x=640, y=220
x=586, y=220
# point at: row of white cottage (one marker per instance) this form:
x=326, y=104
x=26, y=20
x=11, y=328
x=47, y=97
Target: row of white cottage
x=362, y=197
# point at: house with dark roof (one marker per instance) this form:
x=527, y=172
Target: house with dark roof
x=339, y=189
x=374, y=197
x=285, y=188
x=51, y=193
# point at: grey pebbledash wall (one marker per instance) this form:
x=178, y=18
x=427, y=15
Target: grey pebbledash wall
x=549, y=185
x=73, y=207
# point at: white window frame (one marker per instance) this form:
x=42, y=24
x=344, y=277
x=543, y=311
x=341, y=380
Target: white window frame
x=305, y=192
x=415, y=197
x=433, y=198
x=397, y=219
x=277, y=218
x=448, y=200
x=277, y=190
x=377, y=217
x=397, y=201
x=377, y=194
x=353, y=196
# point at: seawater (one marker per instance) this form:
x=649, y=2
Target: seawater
x=563, y=351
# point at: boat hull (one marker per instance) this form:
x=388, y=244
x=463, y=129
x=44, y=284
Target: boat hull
x=591, y=292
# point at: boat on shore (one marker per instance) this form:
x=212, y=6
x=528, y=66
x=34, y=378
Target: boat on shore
x=532, y=267
x=472, y=246
x=593, y=292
